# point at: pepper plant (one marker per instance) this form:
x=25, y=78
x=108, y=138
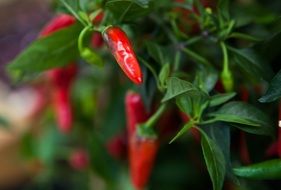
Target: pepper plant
x=195, y=89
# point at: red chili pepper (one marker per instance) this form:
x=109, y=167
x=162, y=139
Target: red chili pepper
x=79, y=159
x=61, y=78
x=121, y=48
x=135, y=111
x=142, y=152
x=57, y=23
x=279, y=131
x=117, y=147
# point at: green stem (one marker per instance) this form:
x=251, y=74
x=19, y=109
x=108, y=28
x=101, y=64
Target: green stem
x=81, y=38
x=69, y=8
x=154, y=118
x=225, y=57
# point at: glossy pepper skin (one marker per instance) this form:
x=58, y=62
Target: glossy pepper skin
x=122, y=50
x=142, y=150
x=62, y=78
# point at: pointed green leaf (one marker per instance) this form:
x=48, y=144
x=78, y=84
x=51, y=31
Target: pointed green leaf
x=176, y=87
x=244, y=115
x=214, y=160
x=185, y=128
x=221, y=98
x=55, y=50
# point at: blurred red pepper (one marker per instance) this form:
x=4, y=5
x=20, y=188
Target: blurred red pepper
x=135, y=111
x=61, y=78
x=117, y=147
x=142, y=150
x=59, y=22
x=79, y=159
x=121, y=48
x=96, y=39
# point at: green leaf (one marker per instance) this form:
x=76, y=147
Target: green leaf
x=193, y=103
x=223, y=11
x=127, y=10
x=242, y=113
x=251, y=63
x=220, y=133
x=219, y=99
x=55, y=50
x=206, y=78
x=270, y=169
x=274, y=89
x=185, y=128
x=214, y=159
x=176, y=87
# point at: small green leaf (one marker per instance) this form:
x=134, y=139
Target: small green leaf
x=176, y=87
x=221, y=98
x=274, y=89
x=214, y=159
x=185, y=128
x=245, y=114
x=270, y=169
x=56, y=50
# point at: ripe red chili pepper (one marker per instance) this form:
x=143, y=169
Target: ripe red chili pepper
x=121, y=48
x=79, y=159
x=57, y=23
x=142, y=150
x=135, y=111
x=117, y=147
x=61, y=78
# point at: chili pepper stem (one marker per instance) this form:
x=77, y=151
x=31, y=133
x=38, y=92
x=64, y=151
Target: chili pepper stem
x=154, y=118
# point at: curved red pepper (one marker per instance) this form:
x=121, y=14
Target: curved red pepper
x=61, y=78
x=121, y=48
